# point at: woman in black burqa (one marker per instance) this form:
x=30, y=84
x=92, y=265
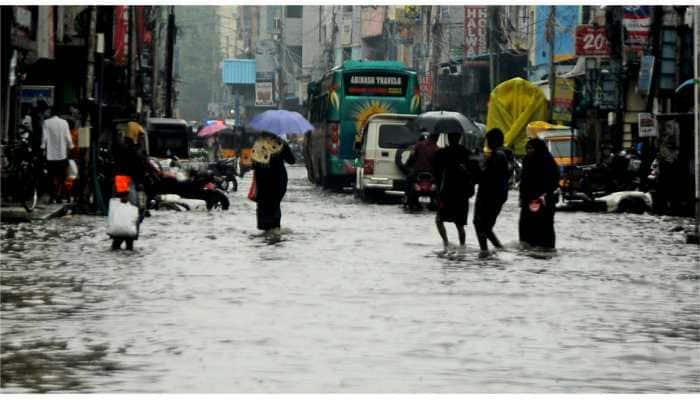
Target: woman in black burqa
x=539, y=180
x=269, y=155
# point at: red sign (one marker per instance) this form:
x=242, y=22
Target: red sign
x=121, y=34
x=591, y=41
x=475, y=34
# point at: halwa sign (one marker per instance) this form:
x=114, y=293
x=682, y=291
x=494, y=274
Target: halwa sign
x=475, y=34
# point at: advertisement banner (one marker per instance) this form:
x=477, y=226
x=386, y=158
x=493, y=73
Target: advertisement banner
x=475, y=33
x=121, y=35
x=591, y=41
x=426, y=87
x=646, y=69
x=636, y=23
x=263, y=94
x=563, y=100
x=647, y=125
x=372, y=21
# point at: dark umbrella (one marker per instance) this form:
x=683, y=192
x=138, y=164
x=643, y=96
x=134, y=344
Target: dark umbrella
x=445, y=121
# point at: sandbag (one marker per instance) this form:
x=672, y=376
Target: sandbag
x=123, y=219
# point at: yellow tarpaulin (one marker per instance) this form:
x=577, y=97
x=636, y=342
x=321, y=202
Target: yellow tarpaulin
x=512, y=105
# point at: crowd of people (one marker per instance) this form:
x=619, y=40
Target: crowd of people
x=456, y=177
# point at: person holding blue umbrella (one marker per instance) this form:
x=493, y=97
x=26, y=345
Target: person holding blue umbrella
x=269, y=154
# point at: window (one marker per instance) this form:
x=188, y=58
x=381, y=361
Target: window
x=347, y=53
x=294, y=11
x=396, y=136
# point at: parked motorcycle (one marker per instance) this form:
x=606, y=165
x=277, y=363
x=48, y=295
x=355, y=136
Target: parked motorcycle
x=20, y=172
x=198, y=185
x=224, y=172
x=422, y=193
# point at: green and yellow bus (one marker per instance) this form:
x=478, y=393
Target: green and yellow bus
x=339, y=106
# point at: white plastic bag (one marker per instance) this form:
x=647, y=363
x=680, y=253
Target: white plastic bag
x=123, y=219
x=72, y=170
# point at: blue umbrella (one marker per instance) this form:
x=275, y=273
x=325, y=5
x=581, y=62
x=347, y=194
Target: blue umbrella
x=281, y=123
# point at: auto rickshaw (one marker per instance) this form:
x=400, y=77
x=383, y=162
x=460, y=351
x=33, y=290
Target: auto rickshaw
x=562, y=141
x=245, y=150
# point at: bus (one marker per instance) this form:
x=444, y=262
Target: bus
x=340, y=104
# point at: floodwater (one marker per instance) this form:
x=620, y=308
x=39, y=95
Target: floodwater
x=355, y=298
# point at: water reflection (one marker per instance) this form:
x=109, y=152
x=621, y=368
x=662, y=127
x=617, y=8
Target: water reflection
x=352, y=298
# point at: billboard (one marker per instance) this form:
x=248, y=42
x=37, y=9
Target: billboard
x=263, y=94
x=592, y=41
x=567, y=19
x=636, y=23
x=475, y=33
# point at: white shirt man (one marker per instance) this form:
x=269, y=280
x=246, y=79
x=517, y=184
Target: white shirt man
x=56, y=139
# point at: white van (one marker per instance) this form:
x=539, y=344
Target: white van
x=377, y=172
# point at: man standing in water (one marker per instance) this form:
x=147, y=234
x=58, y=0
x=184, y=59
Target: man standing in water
x=493, y=192
x=456, y=185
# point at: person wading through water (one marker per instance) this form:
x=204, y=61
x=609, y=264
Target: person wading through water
x=540, y=178
x=493, y=192
x=269, y=155
x=454, y=177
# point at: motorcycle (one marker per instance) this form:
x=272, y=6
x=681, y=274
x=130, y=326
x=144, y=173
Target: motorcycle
x=20, y=172
x=224, y=173
x=198, y=185
x=422, y=193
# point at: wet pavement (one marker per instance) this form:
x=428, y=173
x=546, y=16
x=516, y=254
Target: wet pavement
x=354, y=298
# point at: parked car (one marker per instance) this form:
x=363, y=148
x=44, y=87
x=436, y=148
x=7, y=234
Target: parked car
x=377, y=172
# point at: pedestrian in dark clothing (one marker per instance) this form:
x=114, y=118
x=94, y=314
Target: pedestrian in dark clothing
x=269, y=155
x=454, y=177
x=540, y=179
x=493, y=192
x=420, y=161
x=130, y=161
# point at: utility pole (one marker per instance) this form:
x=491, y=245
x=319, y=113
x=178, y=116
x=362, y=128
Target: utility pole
x=550, y=36
x=132, y=53
x=696, y=69
x=334, y=29
x=169, y=63
x=155, y=45
x=437, y=37
x=492, y=17
x=280, y=60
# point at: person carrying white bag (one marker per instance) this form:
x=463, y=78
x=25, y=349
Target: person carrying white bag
x=127, y=207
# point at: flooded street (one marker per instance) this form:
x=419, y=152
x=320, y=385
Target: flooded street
x=355, y=298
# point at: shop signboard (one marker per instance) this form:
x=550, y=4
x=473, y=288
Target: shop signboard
x=563, y=100
x=263, y=94
x=121, y=35
x=426, y=86
x=29, y=94
x=646, y=69
x=647, y=125
x=591, y=41
x=475, y=33
x=636, y=23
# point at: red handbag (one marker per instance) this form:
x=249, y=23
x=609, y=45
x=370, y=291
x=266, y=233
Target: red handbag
x=536, y=204
x=253, y=191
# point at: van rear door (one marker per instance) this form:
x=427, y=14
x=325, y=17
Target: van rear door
x=391, y=136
